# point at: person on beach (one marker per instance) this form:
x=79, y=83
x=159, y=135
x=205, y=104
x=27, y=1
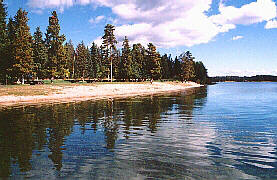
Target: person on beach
x=151, y=81
x=52, y=78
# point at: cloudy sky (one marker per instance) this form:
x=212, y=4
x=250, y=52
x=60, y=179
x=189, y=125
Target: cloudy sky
x=231, y=37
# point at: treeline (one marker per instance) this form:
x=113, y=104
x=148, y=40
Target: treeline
x=257, y=78
x=26, y=56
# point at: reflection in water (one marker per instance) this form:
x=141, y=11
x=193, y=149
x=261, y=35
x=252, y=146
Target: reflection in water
x=28, y=130
x=171, y=136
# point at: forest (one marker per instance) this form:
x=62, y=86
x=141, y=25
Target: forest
x=49, y=55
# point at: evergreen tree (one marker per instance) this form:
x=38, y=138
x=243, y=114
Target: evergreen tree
x=201, y=73
x=96, y=64
x=137, y=61
x=40, y=54
x=56, y=52
x=153, y=61
x=105, y=70
x=70, y=55
x=176, y=68
x=141, y=59
x=116, y=61
x=109, y=42
x=10, y=50
x=187, y=66
x=126, y=61
x=165, y=67
x=81, y=61
x=3, y=41
x=22, y=46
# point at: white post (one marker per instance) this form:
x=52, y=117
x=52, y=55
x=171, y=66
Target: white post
x=23, y=81
x=111, y=64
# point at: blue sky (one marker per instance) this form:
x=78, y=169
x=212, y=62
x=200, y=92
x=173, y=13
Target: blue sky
x=231, y=37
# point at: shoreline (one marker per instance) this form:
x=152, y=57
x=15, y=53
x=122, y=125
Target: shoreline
x=65, y=94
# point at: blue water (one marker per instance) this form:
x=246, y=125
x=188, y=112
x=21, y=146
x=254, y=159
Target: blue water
x=223, y=131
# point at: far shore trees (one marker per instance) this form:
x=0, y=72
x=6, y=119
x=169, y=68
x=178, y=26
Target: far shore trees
x=23, y=56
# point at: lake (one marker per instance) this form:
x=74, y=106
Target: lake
x=223, y=131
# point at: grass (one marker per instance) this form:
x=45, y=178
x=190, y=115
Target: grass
x=25, y=90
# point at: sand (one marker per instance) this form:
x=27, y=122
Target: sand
x=98, y=91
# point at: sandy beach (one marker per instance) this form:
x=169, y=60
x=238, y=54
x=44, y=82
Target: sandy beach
x=95, y=92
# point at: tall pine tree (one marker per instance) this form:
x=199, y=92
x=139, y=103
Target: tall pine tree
x=201, y=73
x=97, y=67
x=70, y=58
x=109, y=42
x=154, y=62
x=126, y=61
x=3, y=41
x=22, y=65
x=56, y=52
x=82, y=59
x=11, y=50
x=40, y=54
x=187, y=66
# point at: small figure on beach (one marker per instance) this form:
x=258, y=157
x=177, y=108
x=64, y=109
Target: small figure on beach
x=52, y=79
x=151, y=81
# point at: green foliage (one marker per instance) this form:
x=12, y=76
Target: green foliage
x=40, y=54
x=82, y=60
x=138, y=62
x=153, y=62
x=126, y=61
x=96, y=64
x=70, y=62
x=187, y=67
x=109, y=42
x=22, y=51
x=166, y=67
x=56, y=52
x=3, y=41
x=201, y=73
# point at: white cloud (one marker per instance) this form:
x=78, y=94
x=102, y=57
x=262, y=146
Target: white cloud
x=255, y=12
x=96, y=20
x=271, y=24
x=175, y=22
x=237, y=38
x=42, y=4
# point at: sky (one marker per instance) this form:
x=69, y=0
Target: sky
x=231, y=37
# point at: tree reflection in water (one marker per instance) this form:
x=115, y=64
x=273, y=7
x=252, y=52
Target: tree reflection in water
x=30, y=130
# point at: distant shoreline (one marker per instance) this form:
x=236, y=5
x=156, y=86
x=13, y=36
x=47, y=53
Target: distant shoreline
x=257, y=78
x=67, y=93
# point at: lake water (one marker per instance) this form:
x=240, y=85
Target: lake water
x=224, y=131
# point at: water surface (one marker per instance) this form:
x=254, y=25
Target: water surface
x=225, y=131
